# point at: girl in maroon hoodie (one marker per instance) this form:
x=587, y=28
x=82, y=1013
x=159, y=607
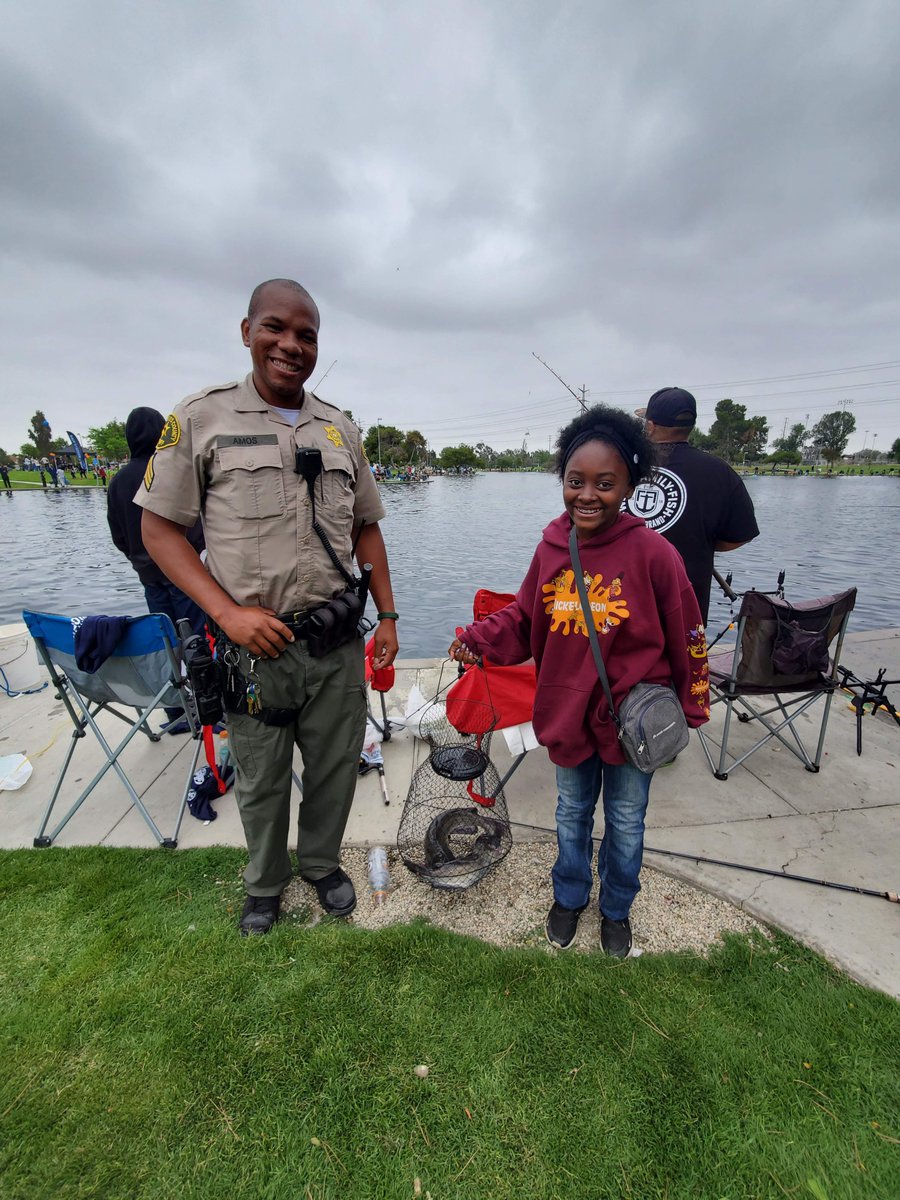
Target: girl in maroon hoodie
x=644, y=609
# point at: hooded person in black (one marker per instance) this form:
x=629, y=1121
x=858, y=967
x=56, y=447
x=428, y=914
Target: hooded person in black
x=142, y=432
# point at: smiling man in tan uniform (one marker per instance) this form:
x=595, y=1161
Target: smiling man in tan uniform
x=227, y=454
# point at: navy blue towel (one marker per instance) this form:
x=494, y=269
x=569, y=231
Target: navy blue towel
x=204, y=790
x=95, y=640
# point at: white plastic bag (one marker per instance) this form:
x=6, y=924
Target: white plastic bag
x=15, y=770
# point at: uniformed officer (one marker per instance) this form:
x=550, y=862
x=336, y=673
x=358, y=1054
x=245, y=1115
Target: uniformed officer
x=228, y=454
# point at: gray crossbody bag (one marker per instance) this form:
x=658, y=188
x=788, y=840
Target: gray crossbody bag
x=650, y=723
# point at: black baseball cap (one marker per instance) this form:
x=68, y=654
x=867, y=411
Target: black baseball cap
x=671, y=407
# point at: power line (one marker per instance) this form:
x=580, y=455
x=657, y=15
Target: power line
x=479, y=423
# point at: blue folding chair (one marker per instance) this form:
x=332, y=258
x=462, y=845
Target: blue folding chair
x=142, y=673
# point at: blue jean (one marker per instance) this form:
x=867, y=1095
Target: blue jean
x=168, y=599
x=626, y=791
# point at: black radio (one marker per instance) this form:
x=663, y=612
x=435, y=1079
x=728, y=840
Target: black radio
x=204, y=675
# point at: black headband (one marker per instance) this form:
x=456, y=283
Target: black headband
x=603, y=433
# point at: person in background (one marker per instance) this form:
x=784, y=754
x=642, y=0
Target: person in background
x=270, y=465
x=142, y=431
x=646, y=615
x=694, y=499
x=4, y=475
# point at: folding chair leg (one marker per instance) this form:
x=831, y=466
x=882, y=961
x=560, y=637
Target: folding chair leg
x=172, y=842
x=820, y=745
x=112, y=757
x=720, y=772
x=509, y=774
x=40, y=840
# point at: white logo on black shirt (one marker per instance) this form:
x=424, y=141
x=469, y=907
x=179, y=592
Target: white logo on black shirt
x=659, y=501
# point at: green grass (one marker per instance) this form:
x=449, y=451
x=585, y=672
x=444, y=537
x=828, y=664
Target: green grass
x=149, y=1052
x=30, y=481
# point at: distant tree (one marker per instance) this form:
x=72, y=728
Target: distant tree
x=786, y=456
x=486, y=454
x=541, y=458
x=391, y=439
x=458, y=456
x=699, y=439
x=59, y=444
x=504, y=462
x=414, y=446
x=831, y=434
x=735, y=436
x=726, y=430
x=28, y=449
x=40, y=433
x=5, y=460
x=754, y=437
x=350, y=417
x=109, y=440
x=895, y=451
x=794, y=441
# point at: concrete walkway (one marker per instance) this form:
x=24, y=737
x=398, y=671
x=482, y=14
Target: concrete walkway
x=840, y=825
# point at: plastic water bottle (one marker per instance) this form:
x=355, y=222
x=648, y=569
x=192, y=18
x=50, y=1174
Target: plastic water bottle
x=224, y=756
x=379, y=876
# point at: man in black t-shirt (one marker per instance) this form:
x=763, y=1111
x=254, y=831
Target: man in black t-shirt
x=694, y=499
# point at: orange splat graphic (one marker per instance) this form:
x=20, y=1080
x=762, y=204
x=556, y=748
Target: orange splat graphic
x=697, y=642
x=562, y=603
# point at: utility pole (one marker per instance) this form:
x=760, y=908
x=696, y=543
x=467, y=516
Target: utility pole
x=378, y=419
x=580, y=398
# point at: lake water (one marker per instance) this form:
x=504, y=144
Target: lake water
x=453, y=535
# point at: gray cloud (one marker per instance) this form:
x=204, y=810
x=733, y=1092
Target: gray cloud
x=642, y=194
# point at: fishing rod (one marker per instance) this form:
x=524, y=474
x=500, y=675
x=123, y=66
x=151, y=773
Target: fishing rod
x=725, y=585
x=892, y=897
x=322, y=379
x=580, y=398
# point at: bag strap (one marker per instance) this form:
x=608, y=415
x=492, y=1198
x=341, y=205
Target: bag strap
x=589, y=622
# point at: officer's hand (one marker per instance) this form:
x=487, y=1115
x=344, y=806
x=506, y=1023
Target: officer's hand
x=462, y=653
x=258, y=630
x=386, y=645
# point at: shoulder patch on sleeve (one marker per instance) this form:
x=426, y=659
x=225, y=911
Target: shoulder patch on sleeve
x=171, y=434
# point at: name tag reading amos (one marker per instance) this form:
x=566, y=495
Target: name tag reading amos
x=246, y=439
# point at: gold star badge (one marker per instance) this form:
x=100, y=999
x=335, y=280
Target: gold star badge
x=334, y=435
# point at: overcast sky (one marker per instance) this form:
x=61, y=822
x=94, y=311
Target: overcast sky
x=703, y=194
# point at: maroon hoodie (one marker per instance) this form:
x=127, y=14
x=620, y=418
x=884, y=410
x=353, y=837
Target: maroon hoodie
x=645, y=612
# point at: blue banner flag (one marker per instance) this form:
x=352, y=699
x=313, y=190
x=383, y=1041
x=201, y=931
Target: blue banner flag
x=76, y=446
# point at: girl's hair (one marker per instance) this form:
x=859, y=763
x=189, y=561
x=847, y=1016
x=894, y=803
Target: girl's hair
x=615, y=427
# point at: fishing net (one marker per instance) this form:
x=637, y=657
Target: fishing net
x=457, y=725
x=454, y=831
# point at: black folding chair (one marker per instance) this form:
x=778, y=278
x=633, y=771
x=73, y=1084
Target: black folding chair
x=142, y=673
x=788, y=653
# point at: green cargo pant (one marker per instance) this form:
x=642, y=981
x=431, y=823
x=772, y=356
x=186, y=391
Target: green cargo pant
x=328, y=696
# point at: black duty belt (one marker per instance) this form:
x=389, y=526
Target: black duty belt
x=297, y=622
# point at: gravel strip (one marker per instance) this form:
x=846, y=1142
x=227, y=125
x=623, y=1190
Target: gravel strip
x=510, y=905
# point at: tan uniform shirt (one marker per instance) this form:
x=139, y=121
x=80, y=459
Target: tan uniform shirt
x=228, y=457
